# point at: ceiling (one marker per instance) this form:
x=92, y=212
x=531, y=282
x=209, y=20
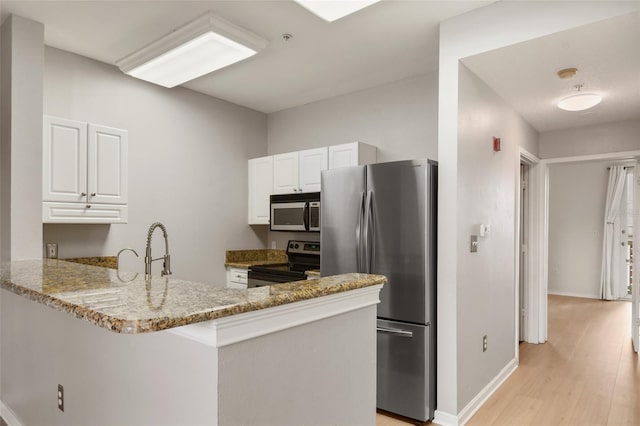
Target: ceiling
x=607, y=55
x=385, y=42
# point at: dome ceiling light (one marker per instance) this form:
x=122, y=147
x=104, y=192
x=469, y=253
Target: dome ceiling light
x=580, y=101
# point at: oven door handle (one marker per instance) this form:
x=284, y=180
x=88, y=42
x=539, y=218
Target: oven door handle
x=305, y=216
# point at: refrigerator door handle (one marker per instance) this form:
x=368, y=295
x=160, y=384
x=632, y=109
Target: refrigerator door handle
x=369, y=230
x=395, y=331
x=359, y=234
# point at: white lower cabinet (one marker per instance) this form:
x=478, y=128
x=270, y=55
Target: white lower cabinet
x=237, y=278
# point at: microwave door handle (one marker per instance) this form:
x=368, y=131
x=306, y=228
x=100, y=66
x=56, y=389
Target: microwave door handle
x=305, y=216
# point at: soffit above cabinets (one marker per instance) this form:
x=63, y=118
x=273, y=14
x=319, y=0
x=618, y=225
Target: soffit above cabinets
x=386, y=42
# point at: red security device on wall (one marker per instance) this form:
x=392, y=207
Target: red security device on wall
x=496, y=144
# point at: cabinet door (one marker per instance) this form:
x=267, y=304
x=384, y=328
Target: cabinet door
x=285, y=173
x=345, y=155
x=260, y=188
x=64, y=155
x=312, y=162
x=107, y=170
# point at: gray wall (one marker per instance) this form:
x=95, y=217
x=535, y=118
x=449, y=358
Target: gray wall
x=486, y=194
x=336, y=354
x=187, y=166
x=400, y=119
x=603, y=138
x=21, y=145
x=577, y=194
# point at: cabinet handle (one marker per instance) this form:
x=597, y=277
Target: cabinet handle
x=83, y=194
x=295, y=190
x=88, y=206
x=93, y=194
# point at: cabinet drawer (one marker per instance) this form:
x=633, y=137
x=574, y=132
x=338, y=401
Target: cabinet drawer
x=80, y=213
x=238, y=275
x=237, y=286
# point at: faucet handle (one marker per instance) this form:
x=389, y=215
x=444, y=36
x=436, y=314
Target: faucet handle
x=166, y=265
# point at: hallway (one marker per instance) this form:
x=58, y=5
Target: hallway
x=586, y=374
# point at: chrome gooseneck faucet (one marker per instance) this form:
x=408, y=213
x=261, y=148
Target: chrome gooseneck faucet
x=166, y=265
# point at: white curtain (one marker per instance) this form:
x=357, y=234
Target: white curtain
x=611, y=253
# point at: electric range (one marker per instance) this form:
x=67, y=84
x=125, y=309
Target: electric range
x=302, y=256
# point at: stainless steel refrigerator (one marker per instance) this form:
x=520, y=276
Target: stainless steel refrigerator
x=381, y=219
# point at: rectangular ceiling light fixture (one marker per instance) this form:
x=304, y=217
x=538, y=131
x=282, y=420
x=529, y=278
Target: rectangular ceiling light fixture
x=331, y=10
x=204, y=45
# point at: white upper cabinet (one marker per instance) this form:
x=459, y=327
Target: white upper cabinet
x=312, y=162
x=64, y=160
x=84, y=176
x=285, y=173
x=107, y=165
x=260, y=188
x=351, y=154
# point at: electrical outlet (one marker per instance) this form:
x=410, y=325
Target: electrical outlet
x=60, y=398
x=52, y=250
x=484, y=343
x=273, y=245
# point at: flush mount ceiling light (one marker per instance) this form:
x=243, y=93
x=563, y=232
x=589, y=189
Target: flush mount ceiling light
x=205, y=44
x=580, y=101
x=331, y=10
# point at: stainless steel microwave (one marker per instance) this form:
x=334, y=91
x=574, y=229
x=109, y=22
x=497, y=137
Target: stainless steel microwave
x=295, y=212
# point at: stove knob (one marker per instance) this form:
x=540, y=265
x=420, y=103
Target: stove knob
x=297, y=246
x=290, y=246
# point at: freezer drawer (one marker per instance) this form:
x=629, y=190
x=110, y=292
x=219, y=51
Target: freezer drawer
x=406, y=380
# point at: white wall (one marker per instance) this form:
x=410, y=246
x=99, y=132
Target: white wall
x=503, y=24
x=602, y=138
x=399, y=118
x=22, y=63
x=486, y=194
x=577, y=194
x=187, y=166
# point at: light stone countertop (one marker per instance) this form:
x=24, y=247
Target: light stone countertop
x=129, y=303
x=246, y=258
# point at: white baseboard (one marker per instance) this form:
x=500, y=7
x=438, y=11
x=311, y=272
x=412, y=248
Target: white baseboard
x=443, y=418
x=447, y=419
x=8, y=415
x=573, y=294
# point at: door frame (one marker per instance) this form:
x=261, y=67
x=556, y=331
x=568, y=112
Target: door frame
x=539, y=286
x=535, y=306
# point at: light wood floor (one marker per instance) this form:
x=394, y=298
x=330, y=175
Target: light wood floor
x=586, y=373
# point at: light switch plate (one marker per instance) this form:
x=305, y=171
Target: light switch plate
x=474, y=243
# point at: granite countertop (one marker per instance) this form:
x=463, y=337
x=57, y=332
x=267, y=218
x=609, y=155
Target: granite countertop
x=247, y=258
x=129, y=303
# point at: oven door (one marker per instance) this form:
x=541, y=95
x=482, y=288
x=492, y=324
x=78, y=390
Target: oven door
x=288, y=216
x=261, y=279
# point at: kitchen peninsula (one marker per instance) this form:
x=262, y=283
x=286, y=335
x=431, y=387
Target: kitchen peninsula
x=131, y=350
